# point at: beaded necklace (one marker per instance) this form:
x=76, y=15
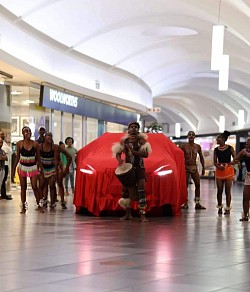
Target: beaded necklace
x=223, y=148
x=247, y=152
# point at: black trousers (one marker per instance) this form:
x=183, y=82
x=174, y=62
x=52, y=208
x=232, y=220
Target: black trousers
x=3, y=186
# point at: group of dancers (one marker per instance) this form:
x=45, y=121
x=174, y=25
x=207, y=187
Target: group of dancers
x=42, y=164
x=224, y=161
x=136, y=147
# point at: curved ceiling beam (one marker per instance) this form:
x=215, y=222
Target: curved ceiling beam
x=197, y=102
x=146, y=21
x=166, y=115
x=36, y=8
x=239, y=101
x=197, y=65
x=179, y=109
x=220, y=99
x=193, y=105
x=155, y=45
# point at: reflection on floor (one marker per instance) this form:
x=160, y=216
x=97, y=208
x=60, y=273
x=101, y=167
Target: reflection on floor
x=60, y=251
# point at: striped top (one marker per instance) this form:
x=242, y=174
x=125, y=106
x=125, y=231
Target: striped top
x=28, y=157
x=27, y=162
x=47, y=159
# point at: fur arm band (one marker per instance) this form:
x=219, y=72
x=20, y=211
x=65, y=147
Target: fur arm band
x=146, y=147
x=117, y=148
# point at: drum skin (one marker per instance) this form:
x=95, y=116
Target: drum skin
x=126, y=174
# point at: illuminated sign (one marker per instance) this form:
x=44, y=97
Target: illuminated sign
x=62, y=101
x=76, y=104
x=63, y=98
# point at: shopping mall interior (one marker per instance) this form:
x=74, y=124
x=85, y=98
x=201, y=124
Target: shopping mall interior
x=85, y=68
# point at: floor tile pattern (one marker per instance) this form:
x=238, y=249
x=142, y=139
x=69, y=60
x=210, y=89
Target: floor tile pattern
x=61, y=251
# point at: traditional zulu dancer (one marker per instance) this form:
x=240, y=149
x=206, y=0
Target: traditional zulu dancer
x=191, y=150
x=244, y=156
x=135, y=148
x=50, y=158
x=28, y=163
x=224, y=171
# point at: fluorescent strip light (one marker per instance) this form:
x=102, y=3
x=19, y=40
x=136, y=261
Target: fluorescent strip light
x=217, y=46
x=222, y=124
x=224, y=73
x=241, y=118
x=177, y=130
x=16, y=92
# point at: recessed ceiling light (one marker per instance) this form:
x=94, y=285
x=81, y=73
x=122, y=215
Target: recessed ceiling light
x=16, y=92
x=27, y=101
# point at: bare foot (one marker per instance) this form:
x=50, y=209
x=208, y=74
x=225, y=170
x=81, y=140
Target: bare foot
x=126, y=217
x=40, y=209
x=143, y=218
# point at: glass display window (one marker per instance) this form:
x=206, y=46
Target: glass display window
x=92, y=126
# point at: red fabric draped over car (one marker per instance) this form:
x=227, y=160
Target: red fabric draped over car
x=98, y=189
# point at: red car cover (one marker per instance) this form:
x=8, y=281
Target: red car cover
x=98, y=189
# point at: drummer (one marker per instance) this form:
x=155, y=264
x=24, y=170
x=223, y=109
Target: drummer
x=135, y=148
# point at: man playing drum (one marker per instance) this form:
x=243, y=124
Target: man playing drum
x=135, y=148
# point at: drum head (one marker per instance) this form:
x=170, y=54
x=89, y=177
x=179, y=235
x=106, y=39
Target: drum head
x=123, y=168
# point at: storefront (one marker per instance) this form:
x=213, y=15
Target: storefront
x=33, y=106
x=64, y=114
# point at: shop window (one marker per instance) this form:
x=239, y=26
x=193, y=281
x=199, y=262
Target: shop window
x=92, y=129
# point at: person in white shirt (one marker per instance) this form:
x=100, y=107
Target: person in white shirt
x=6, y=148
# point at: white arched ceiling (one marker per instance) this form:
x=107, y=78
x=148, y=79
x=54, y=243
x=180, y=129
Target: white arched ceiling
x=135, y=36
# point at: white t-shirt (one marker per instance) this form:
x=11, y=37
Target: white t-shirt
x=6, y=148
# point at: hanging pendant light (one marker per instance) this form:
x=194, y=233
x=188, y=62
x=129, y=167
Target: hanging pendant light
x=177, y=130
x=222, y=124
x=224, y=73
x=217, y=46
x=219, y=61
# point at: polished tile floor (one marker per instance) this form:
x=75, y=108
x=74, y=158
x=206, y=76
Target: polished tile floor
x=61, y=251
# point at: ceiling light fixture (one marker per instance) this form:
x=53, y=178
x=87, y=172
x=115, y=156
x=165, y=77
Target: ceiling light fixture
x=241, y=118
x=222, y=124
x=217, y=46
x=219, y=61
x=16, y=92
x=177, y=130
x=224, y=73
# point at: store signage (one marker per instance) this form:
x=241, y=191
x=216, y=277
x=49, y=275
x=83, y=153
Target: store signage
x=79, y=105
x=63, y=98
x=61, y=101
